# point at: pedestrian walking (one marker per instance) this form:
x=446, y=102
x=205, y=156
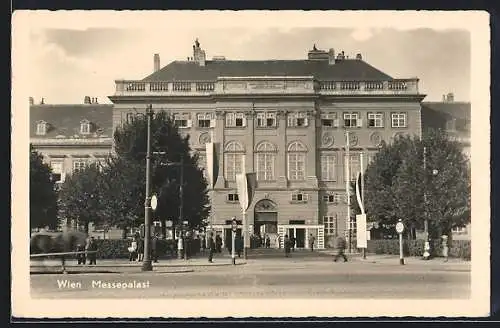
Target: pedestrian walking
x=180, y=247
x=211, y=248
x=133, y=250
x=218, y=243
x=80, y=256
x=278, y=241
x=292, y=243
x=287, y=246
x=154, y=244
x=268, y=241
x=140, y=249
x=311, y=242
x=444, y=245
x=340, y=245
x=91, y=249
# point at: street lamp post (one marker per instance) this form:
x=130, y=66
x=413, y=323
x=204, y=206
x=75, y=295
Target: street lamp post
x=146, y=264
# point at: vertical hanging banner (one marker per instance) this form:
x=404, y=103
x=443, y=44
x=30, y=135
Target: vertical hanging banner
x=246, y=184
x=212, y=153
x=361, y=238
x=358, y=193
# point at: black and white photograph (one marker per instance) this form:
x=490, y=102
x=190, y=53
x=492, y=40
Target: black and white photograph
x=250, y=164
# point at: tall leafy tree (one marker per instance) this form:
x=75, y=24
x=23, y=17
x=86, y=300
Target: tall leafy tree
x=81, y=197
x=43, y=197
x=171, y=150
x=398, y=187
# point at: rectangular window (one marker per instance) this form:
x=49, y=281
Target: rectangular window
x=296, y=166
x=130, y=117
x=354, y=166
x=79, y=166
x=398, y=120
x=232, y=198
x=329, y=120
x=235, y=120
x=234, y=165
x=459, y=230
x=330, y=223
x=41, y=128
x=351, y=120
x=375, y=120
x=85, y=128
x=265, y=166
x=266, y=119
x=328, y=163
x=57, y=172
x=204, y=120
x=298, y=197
x=298, y=119
x=182, y=120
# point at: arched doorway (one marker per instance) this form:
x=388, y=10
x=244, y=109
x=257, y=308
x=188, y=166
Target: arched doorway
x=266, y=220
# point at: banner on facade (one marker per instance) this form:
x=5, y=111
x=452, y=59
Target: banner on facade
x=246, y=184
x=358, y=193
x=212, y=150
x=361, y=231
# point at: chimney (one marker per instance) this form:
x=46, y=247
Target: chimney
x=359, y=57
x=199, y=54
x=444, y=98
x=156, y=62
x=86, y=100
x=331, y=57
x=32, y=101
x=42, y=102
x=450, y=97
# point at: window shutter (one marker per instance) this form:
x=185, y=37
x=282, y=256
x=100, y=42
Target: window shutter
x=212, y=123
x=336, y=122
x=306, y=121
x=189, y=123
x=359, y=123
x=244, y=121
x=228, y=119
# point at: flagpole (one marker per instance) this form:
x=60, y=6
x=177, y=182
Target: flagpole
x=347, y=187
x=362, y=191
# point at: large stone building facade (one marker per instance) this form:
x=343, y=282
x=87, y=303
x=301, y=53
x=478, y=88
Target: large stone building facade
x=285, y=120
x=71, y=136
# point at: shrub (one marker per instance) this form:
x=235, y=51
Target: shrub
x=118, y=248
x=458, y=248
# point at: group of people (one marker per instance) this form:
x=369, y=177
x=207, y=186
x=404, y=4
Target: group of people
x=87, y=251
x=136, y=248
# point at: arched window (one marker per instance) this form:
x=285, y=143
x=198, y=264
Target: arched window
x=233, y=160
x=296, y=161
x=266, y=159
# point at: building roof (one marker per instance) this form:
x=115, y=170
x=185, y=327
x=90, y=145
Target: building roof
x=438, y=114
x=345, y=69
x=64, y=120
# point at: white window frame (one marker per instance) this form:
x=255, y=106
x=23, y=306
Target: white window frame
x=398, y=120
x=328, y=169
x=235, y=120
x=85, y=127
x=207, y=118
x=377, y=119
x=266, y=119
x=299, y=197
x=265, y=161
x=459, y=230
x=234, y=196
x=79, y=165
x=184, y=118
x=58, y=168
x=354, y=120
x=130, y=117
x=353, y=169
x=234, y=160
x=325, y=117
x=41, y=128
x=296, y=164
x=294, y=119
x=329, y=224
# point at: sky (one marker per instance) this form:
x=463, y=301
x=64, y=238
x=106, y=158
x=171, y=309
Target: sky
x=68, y=63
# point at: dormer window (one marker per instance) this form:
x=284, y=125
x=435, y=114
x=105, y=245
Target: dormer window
x=41, y=128
x=84, y=127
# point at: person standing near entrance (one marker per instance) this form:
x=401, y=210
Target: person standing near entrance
x=211, y=247
x=287, y=242
x=311, y=242
x=278, y=241
x=340, y=245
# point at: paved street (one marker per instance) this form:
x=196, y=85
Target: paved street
x=267, y=275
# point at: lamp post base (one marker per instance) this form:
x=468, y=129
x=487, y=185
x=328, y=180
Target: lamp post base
x=147, y=265
x=402, y=261
x=245, y=253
